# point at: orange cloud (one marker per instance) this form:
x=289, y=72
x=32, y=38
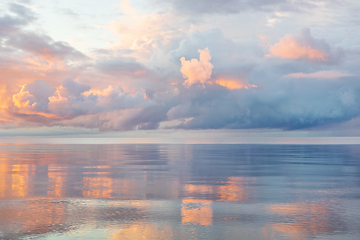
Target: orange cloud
x=291, y=48
x=30, y=103
x=20, y=70
x=233, y=84
x=304, y=46
x=23, y=99
x=34, y=98
x=197, y=71
x=40, y=102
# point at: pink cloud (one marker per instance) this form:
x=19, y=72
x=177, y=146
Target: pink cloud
x=197, y=71
x=288, y=47
x=328, y=74
x=33, y=98
x=71, y=100
x=305, y=46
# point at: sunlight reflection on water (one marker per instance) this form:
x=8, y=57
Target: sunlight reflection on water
x=179, y=191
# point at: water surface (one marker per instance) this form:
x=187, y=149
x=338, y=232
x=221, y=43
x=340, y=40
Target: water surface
x=179, y=191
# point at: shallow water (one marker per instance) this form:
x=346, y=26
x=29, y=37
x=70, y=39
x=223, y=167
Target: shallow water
x=180, y=192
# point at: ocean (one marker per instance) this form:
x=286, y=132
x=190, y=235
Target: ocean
x=179, y=191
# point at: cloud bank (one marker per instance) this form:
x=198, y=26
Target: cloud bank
x=185, y=74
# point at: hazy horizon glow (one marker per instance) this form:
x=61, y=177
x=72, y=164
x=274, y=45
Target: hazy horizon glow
x=76, y=68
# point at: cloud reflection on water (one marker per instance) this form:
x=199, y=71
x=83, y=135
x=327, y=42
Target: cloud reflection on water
x=169, y=191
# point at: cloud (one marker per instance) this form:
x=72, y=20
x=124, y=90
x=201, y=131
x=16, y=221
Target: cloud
x=223, y=50
x=276, y=18
x=146, y=34
x=202, y=7
x=197, y=71
x=72, y=99
x=44, y=47
x=118, y=66
x=327, y=74
x=305, y=46
x=73, y=88
x=294, y=105
x=209, y=7
x=200, y=71
x=27, y=55
x=234, y=83
x=10, y=23
x=286, y=105
x=34, y=98
x=139, y=82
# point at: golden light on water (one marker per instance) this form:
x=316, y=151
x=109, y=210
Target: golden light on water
x=57, y=179
x=191, y=189
x=231, y=189
x=20, y=180
x=234, y=190
x=300, y=219
x=3, y=179
x=98, y=187
x=196, y=212
x=143, y=231
x=35, y=217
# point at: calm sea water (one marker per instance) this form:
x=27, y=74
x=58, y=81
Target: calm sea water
x=180, y=192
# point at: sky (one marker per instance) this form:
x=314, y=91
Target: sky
x=164, y=68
